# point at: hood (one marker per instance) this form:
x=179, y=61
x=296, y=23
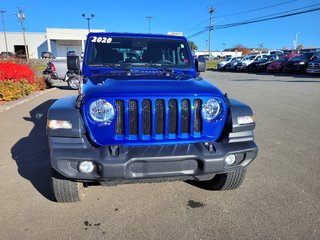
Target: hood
x=297, y=61
x=150, y=87
x=314, y=61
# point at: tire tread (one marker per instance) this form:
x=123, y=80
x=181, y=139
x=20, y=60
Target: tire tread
x=65, y=190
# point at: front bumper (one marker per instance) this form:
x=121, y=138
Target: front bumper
x=241, y=67
x=313, y=70
x=221, y=67
x=185, y=161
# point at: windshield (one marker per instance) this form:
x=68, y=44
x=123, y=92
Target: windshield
x=283, y=59
x=316, y=56
x=308, y=55
x=249, y=58
x=106, y=51
x=298, y=58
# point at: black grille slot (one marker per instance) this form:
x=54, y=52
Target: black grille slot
x=173, y=116
x=136, y=119
x=159, y=117
x=185, y=116
x=120, y=117
x=133, y=116
x=197, y=116
x=146, y=115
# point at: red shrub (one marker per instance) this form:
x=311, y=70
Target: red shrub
x=15, y=72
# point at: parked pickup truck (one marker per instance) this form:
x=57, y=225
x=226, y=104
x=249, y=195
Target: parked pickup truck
x=57, y=69
x=147, y=118
x=314, y=64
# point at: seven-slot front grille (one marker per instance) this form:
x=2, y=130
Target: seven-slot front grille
x=146, y=119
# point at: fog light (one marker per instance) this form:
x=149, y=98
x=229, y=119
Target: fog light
x=230, y=159
x=86, y=167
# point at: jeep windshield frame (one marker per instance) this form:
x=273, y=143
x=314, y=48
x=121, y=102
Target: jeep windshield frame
x=138, y=52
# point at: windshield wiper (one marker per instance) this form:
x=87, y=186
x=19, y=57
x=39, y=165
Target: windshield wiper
x=158, y=66
x=168, y=71
x=116, y=66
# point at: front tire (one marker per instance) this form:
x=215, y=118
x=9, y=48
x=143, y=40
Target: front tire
x=225, y=181
x=74, y=82
x=64, y=189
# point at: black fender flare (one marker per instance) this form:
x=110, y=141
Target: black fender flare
x=66, y=109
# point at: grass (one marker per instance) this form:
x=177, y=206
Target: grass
x=212, y=64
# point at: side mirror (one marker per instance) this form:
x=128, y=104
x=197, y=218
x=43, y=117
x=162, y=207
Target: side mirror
x=73, y=63
x=200, y=65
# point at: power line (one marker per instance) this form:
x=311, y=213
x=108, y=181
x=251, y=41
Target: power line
x=257, y=9
x=239, y=13
x=196, y=26
x=260, y=19
x=288, y=11
x=266, y=18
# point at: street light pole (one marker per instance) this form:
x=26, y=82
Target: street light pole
x=21, y=18
x=4, y=29
x=149, y=18
x=88, y=19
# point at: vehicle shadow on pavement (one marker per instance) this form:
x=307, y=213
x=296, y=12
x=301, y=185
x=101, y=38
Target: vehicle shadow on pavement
x=31, y=153
x=272, y=80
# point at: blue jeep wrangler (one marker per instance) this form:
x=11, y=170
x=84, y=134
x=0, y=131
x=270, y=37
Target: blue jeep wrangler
x=143, y=113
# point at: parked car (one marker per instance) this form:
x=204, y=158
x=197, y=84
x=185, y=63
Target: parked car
x=314, y=64
x=262, y=64
x=47, y=55
x=298, y=64
x=146, y=121
x=277, y=66
x=7, y=55
x=246, y=61
x=232, y=65
x=222, y=65
x=274, y=52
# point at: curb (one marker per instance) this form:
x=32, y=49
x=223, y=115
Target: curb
x=22, y=100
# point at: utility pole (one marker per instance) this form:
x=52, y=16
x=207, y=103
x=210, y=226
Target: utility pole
x=21, y=18
x=4, y=29
x=296, y=42
x=88, y=19
x=149, y=18
x=224, y=46
x=211, y=11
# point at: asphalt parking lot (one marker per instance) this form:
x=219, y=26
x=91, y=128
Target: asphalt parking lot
x=279, y=199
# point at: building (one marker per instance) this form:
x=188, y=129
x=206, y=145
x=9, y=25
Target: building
x=218, y=54
x=58, y=41
x=180, y=34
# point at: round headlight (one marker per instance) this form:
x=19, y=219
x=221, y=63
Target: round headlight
x=101, y=111
x=211, y=109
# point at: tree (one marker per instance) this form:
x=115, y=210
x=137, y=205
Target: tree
x=300, y=46
x=193, y=46
x=242, y=48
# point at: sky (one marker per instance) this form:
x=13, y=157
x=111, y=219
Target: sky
x=187, y=16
